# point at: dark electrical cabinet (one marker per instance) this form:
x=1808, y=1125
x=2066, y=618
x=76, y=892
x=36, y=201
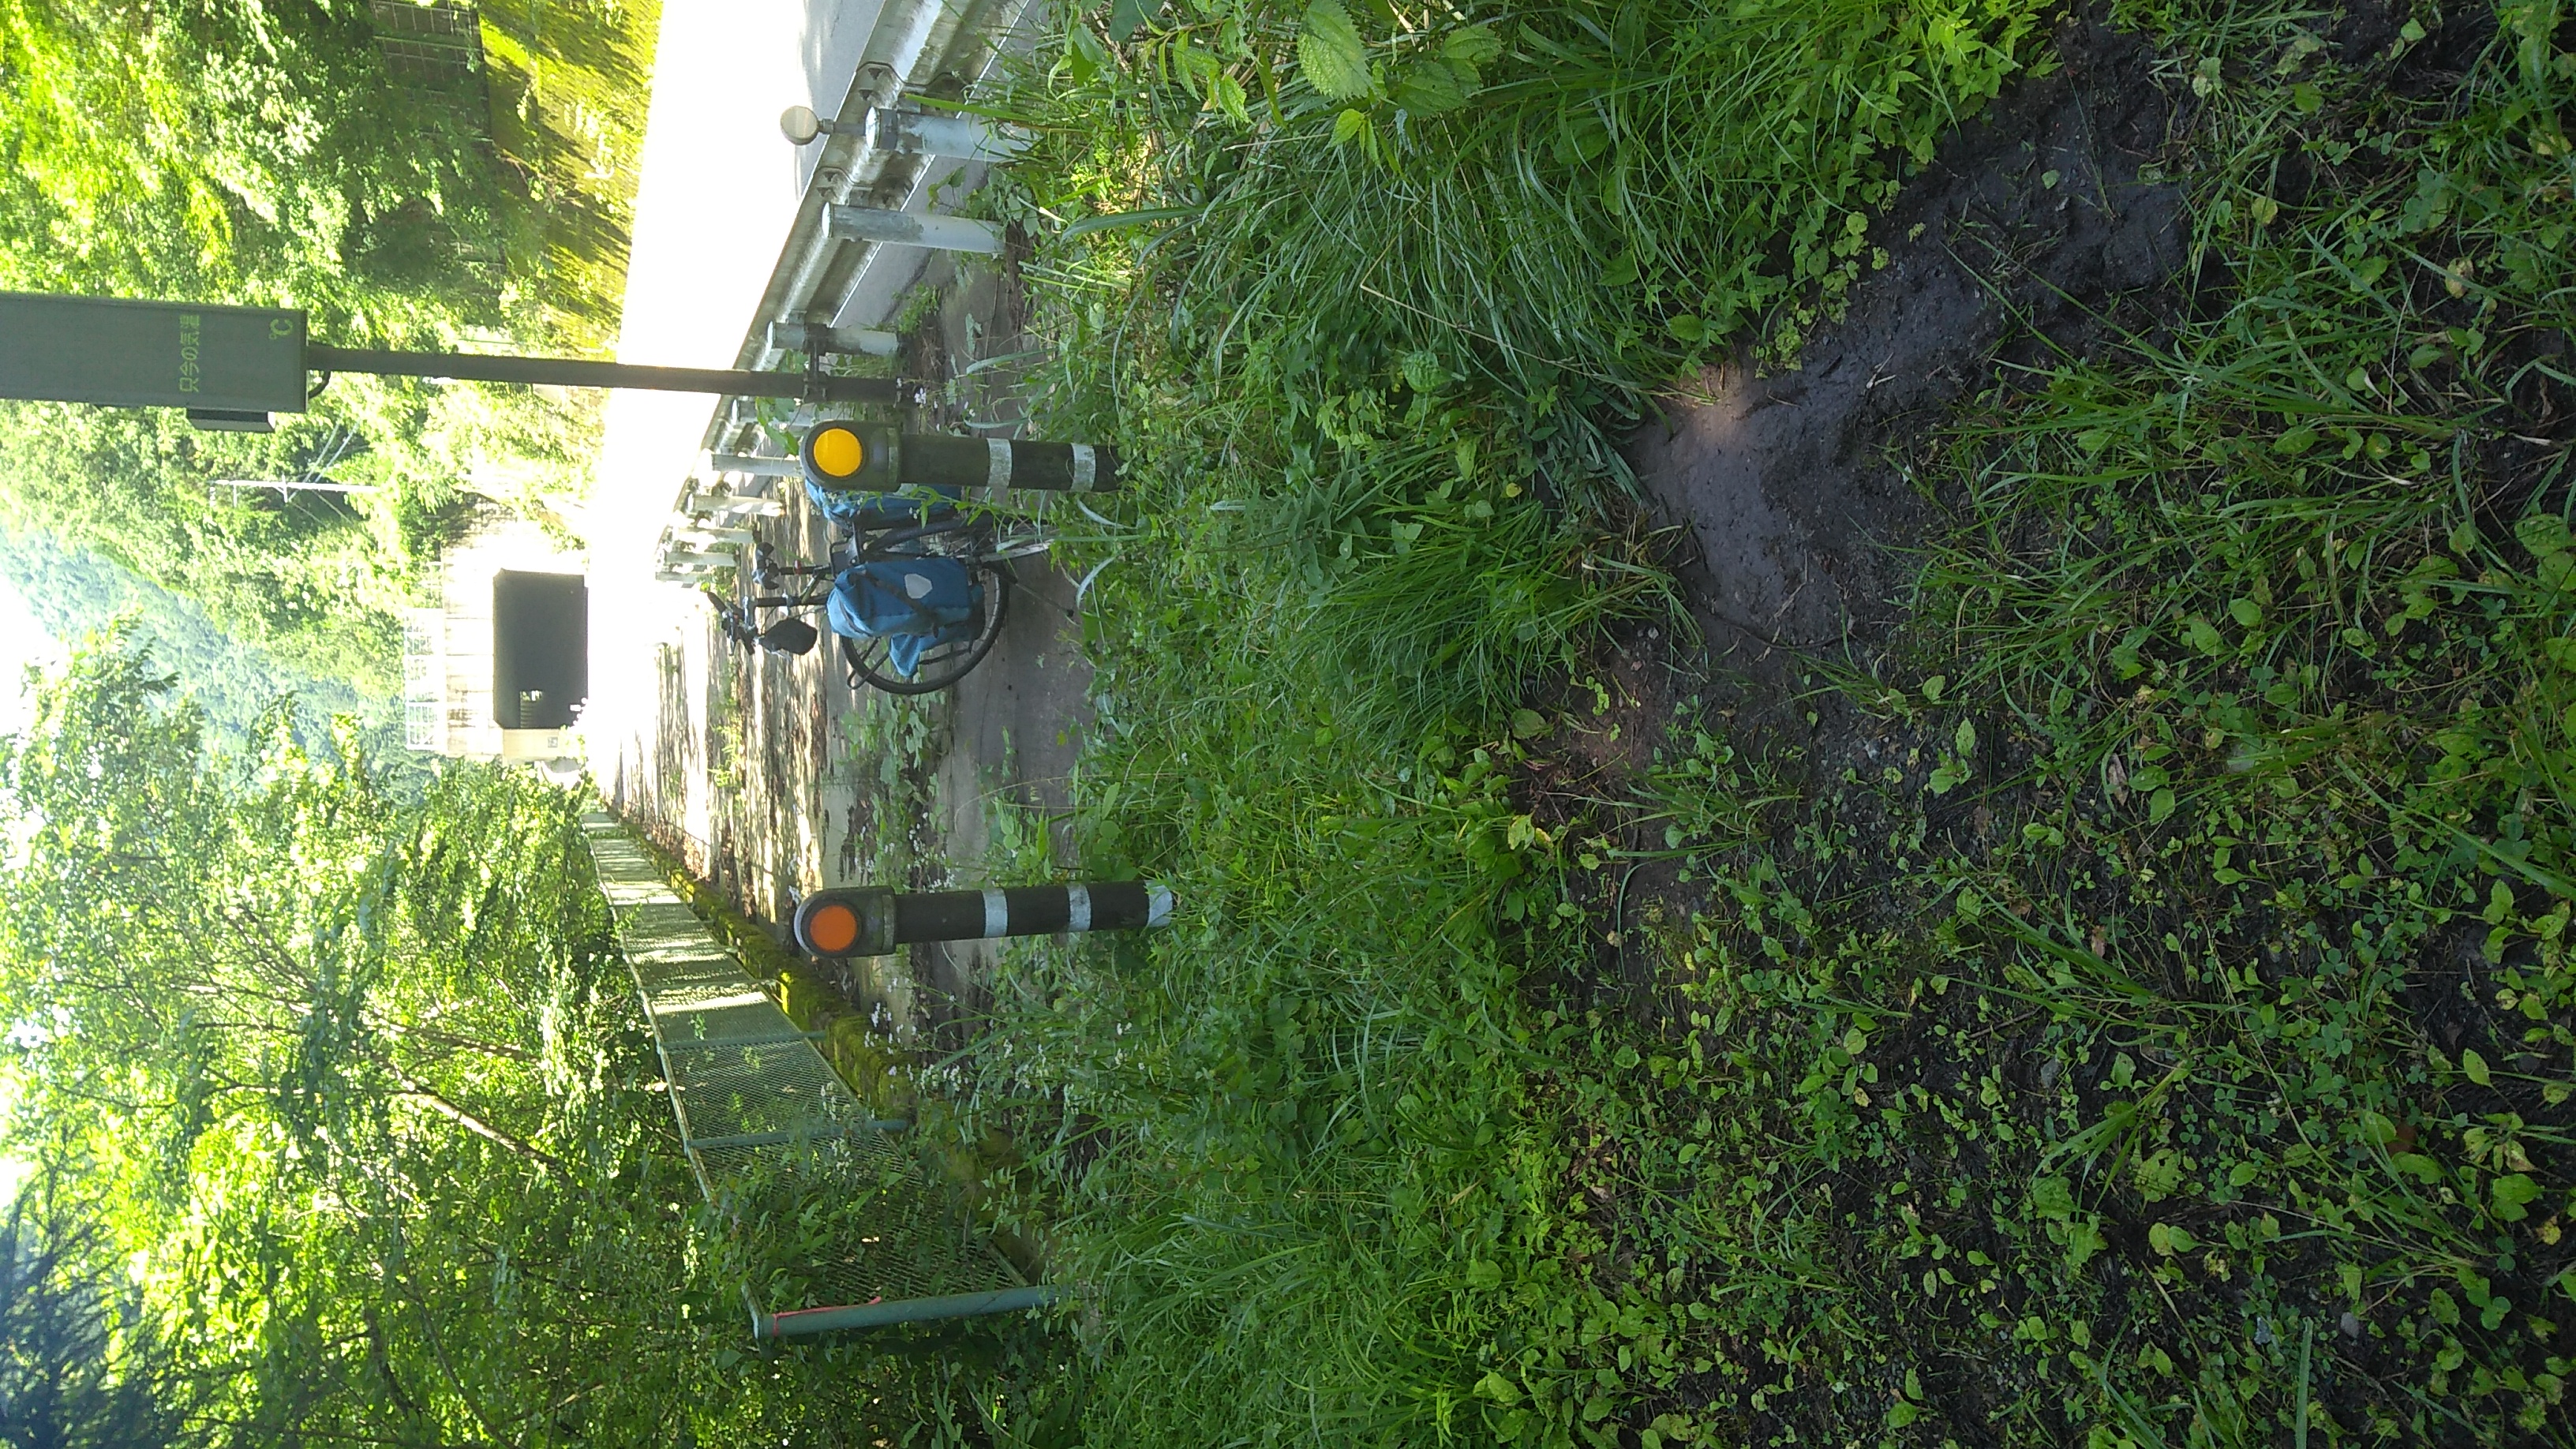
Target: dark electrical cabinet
x=540, y=649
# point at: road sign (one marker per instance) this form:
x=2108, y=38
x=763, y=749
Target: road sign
x=231, y=367
x=151, y=354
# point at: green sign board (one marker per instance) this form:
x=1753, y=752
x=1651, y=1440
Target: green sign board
x=151, y=354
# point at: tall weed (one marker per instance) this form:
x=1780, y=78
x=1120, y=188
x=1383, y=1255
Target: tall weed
x=1570, y=201
x=1346, y=293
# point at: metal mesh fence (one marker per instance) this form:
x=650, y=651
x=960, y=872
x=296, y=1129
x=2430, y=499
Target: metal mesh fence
x=407, y=17
x=762, y=1114
x=434, y=46
x=425, y=681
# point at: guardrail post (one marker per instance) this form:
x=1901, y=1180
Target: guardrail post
x=915, y=133
x=753, y=466
x=914, y=229
x=815, y=338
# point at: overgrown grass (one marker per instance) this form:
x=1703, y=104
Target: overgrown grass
x=893, y=748
x=2149, y=1023
x=1296, y=1157
x=2140, y=1020
x=1277, y=1146
x=1560, y=204
x=1302, y=1158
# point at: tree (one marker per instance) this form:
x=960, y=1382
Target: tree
x=74, y=592
x=79, y=1368
x=243, y=150
x=352, y=1083
x=258, y=151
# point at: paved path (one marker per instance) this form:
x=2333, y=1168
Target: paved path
x=742, y=765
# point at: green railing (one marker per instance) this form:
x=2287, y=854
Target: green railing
x=761, y=1114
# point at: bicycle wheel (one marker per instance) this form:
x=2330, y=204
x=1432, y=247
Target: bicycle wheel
x=941, y=665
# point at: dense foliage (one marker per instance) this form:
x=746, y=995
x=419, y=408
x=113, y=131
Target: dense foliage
x=348, y=1088
x=2134, y=1012
x=1561, y=206
x=265, y=153
x=234, y=681
x=77, y=1370
x=2209, y=906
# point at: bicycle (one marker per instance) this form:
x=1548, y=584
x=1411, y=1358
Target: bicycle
x=869, y=577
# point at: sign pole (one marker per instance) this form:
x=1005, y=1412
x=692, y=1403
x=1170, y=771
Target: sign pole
x=575, y=372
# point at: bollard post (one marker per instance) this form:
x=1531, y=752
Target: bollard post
x=872, y=920
x=854, y=457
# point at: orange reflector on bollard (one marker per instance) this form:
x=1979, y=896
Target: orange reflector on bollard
x=831, y=929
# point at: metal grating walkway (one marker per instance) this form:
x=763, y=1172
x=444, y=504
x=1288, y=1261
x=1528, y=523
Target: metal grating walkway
x=760, y=1112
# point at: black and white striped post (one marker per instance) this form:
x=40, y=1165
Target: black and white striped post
x=873, y=921
x=856, y=457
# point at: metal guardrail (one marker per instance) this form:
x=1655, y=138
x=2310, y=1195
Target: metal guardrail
x=759, y=1108
x=856, y=230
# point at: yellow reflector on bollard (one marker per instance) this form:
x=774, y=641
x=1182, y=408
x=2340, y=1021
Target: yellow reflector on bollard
x=838, y=452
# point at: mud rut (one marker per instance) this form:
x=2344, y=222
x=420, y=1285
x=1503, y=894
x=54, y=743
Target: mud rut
x=2039, y=230
x=2044, y=231
x=2029, y=226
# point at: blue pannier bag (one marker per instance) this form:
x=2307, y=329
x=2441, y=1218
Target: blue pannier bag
x=911, y=603
x=854, y=509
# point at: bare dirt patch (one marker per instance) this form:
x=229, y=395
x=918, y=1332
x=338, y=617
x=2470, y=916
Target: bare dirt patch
x=2037, y=232
x=1796, y=489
